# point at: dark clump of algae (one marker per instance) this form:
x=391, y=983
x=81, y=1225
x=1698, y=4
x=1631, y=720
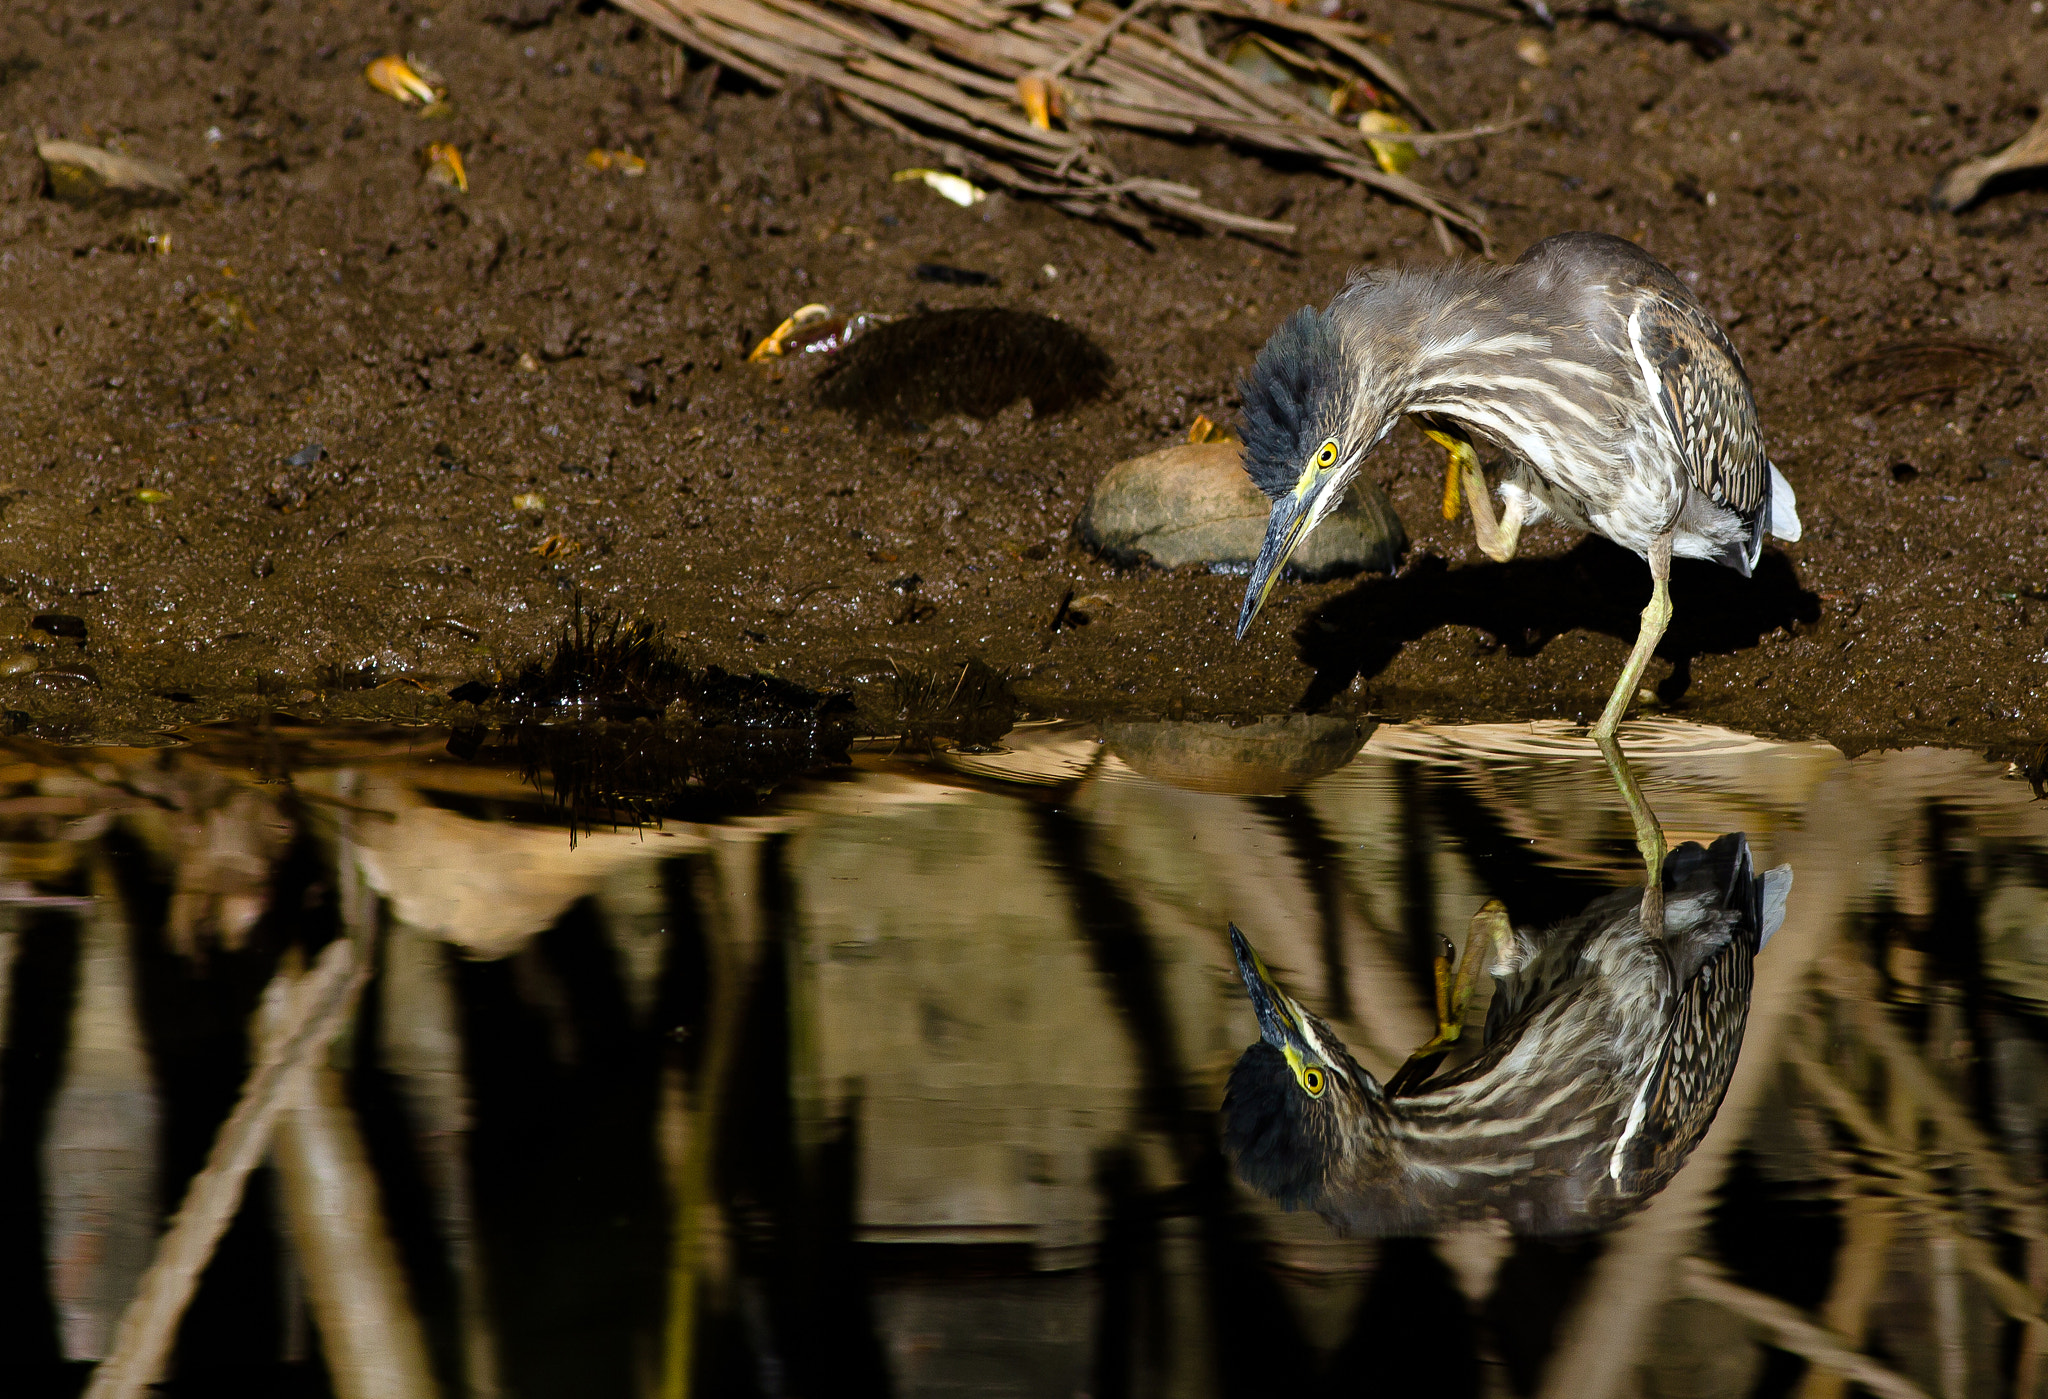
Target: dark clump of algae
x=617, y=728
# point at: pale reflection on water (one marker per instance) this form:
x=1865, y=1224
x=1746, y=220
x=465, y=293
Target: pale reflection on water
x=905, y=1082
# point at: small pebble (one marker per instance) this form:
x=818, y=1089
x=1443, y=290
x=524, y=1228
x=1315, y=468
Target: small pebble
x=22, y=664
x=529, y=500
x=1533, y=51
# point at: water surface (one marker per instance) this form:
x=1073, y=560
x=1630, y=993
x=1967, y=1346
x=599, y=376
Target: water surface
x=904, y=1080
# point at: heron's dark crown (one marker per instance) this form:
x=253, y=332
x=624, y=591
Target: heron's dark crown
x=1344, y=371
x=1291, y=399
x=1290, y=1146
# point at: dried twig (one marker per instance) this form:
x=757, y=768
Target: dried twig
x=1086, y=53
x=1960, y=187
x=955, y=91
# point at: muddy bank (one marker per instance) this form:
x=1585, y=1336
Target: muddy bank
x=537, y=389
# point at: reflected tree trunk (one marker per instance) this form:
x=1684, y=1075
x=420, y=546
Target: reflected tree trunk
x=371, y=1336
x=422, y=1048
x=355, y=1283
x=728, y=889
x=1869, y=1225
x=100, y=1154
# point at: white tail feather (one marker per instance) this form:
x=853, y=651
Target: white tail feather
x=1784, y=508
x=1777, y=889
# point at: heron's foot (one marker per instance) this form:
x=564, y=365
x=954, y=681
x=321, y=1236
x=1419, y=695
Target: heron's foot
x=1484, y=943
x=1459, y=459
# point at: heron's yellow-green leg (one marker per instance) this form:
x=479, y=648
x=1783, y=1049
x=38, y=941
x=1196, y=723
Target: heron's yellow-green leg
x=1649, y=834
x=1487, y=939
x=1656, y=616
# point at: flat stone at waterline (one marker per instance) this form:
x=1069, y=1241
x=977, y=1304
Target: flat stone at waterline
x=1193, y=503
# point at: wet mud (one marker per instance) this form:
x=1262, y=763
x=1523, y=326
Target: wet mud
x=360, y=438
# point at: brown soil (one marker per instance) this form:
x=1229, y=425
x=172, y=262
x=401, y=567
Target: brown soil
x=320, y=290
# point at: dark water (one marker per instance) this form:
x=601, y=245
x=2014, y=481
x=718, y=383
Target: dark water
x=905, y=1080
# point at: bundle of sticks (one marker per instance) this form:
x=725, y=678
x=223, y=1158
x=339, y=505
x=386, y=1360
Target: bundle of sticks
x=1010, y=91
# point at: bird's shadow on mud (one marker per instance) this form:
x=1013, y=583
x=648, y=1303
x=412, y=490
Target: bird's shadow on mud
x=1524, y=604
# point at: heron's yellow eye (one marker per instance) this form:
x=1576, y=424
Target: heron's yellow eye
x=1312, y=1080
x=1327, y=456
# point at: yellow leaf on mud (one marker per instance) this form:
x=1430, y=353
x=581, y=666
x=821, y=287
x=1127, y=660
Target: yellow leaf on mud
x=1394, y=156
x=946, y=185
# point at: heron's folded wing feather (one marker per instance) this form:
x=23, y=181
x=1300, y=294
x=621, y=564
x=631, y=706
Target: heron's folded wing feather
x=1704, y=394
x=1685, y=1090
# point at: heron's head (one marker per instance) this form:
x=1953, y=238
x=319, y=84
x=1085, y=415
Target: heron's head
x=1299, y=1111
x=1309, y=420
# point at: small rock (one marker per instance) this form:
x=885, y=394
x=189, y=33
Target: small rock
x=308, y=455
x=93, y=178
x=285, y=493
x=22, y=663
x=562, y=339
x=1260, y=759
x=1533, y=51
x=1193, y=503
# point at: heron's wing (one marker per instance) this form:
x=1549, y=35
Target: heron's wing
x=1684, y=1091
x=1698, y=381
x=1541, y=966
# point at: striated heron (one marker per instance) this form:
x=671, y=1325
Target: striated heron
x=1606, y=1052
x=1617, y=401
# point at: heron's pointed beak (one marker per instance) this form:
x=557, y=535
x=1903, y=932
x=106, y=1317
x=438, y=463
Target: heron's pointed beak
x=1284, y=530
x=1279, y=1024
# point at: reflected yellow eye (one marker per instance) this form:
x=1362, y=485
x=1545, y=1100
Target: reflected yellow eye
x=1312, y=1080
x=1327, y=457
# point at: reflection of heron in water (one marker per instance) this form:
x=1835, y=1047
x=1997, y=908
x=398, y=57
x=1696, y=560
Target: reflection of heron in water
x=1607, y=1051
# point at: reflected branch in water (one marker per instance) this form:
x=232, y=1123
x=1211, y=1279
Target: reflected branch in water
x=370, y=1332
x=1793, y=1331
x=421, y=1048
x=1917, y=1189
x=310, y=1011
x=1869, y=1227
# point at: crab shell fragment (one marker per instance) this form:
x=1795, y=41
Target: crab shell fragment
x=403, y=80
